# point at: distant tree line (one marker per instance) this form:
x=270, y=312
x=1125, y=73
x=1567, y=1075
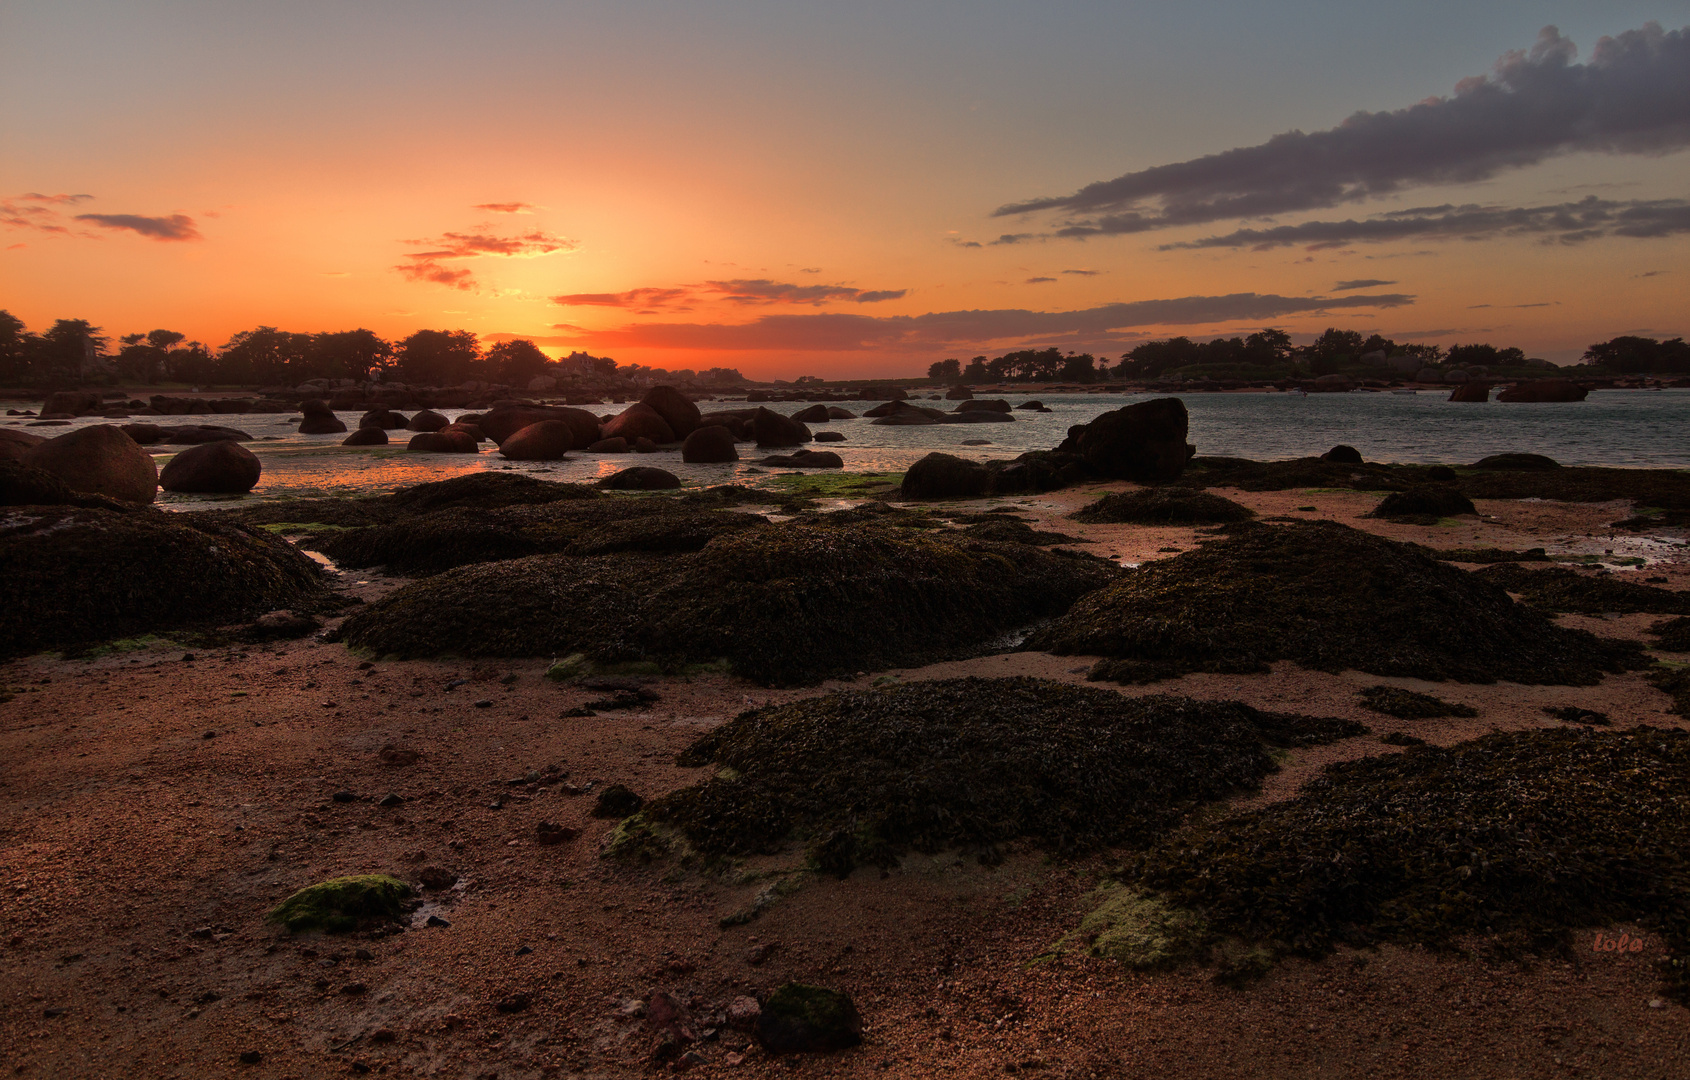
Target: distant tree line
x=74, y=349
x=1269, y=354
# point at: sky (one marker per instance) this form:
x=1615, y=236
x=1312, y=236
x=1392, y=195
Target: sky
x=849, y=188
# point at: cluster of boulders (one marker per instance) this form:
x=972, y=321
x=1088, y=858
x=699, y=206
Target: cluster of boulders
x=109, y=460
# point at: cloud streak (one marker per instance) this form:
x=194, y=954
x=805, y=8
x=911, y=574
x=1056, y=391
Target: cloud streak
x=430, y=265
x=850, y=332
x=176, y=227
x=1567, y=223
x=738, y=291
x=506, y=207
x=1630, y=98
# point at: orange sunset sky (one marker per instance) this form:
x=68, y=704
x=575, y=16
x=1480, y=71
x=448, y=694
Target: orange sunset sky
x=849, y=188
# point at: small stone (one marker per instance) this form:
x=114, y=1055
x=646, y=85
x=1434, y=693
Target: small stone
x=363, y=954
x=383, y=1035
x=344, y=797
x=437, y=877
x=524, y=951
x=435, y=920
x=390, y=799
x=514, y=1004
x=689, y=1060
x=743, y=1013
x=550, y=834
x=392, y=754
x=354, y=989
x=53, y=1013
x=1657, y=1003
x=484, y=703
x=759, y=953
x=209, y=735
x=251, y=1057
x=366, y=665
x=188, y=656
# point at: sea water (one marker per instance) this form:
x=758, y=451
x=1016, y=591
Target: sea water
x=1633, y=428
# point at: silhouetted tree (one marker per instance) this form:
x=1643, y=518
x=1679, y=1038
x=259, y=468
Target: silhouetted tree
x=15, y=343
x=945, y=370
x=516, y=362
x=264, y=355
x=348, y=354
x=1081, y=368
x=976, y=370
x=1641, y=355
x=438, y=357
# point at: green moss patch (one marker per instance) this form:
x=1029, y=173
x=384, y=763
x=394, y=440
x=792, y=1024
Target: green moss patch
x=1522, y=835
x=1142, y=932
x=344, y=904
x=1163, y=506
x=832, y=485
x=1556, y=588
x=865, y=776
x=788, y=603
x=1408, y=705
x=1329, y=597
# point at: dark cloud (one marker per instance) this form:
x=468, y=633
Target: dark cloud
x=846, y=332
x=174, y=227
x=1569, y=223
x=506, y=207
x=1653, y=273
x=57, y=200
x=1633, y=96
x=1037, y=280
x=633, y=298
x=1360, y=283
x=1094, y=273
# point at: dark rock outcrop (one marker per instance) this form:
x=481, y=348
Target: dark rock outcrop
x=1544, y=390
x=98, y=460
x=319, y=419
x=426, y=420
x=366, y=436
x=641, y=478
x=772, y=429
x=1343, y=455
x=676, y=409
x=639, y=421
x=548, y=440
x=1142, y=442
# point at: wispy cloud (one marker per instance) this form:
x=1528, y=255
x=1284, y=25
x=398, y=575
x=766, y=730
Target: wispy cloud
x=1535, y=104
x=429, y=265
x=1038, y=280
x=506, y=207
x=1569, y=223
x=737, y=291
x=1360, y=283
x=55, y=200
x=1083, y=273
x=173, y=228
x=850, y=332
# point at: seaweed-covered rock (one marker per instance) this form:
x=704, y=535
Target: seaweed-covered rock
x=798, y=1018
x=805, y=459
x=13, y=444
x=944, y=476
x=98, y=460
x=440, y=442
x=641, y=478
x=1427, y=501
x=1144, y=441
x=1555, y=588
x=1525, y=835
x=1342, y=455
x=76, y=575
x=1517, y=462
x=1329, y=597
x=784, y=603
x=1673, y=635
x=1488, y=555
x=485, y=491
x=865, y=776
x=1248, y=475
x=639, y=421
x=222, y=468
x=1164, y=506
x=344, y=904
x=1409, y=705
x=1675, y=683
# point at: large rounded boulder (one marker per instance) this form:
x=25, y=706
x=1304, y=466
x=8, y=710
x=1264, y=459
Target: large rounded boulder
x=547, y=440
x=641, y=478
x=76, y=575
x=945, y=476
x=708, y=445
x=385, y=419
x=676, y=409
x=99, y=460
x=502, y=421
x=1143, y=442
x=366, y=436
x=213, y=468
x=772, y=429
x=427, y=420
x=14, y=444
x=319, y=418
x=639, y=421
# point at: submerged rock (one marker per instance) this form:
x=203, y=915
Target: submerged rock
x=1329, y=597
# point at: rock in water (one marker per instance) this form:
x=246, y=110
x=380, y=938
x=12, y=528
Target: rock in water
x=815, y=414
x=641, y=478
x=382, y=418
x=1526, y=462
x=1144, y=442
x=1473, y=391
x=708, y=445
x=79, y=575
x=773, y=429
x=319, y=418
x=426, y=420
x=503, y=421
x=637, y=422
x=1329, y=597
x=945, y=476
x=1544, y=390
x=547, y=440
x=676, y=409
x=1343, y=455
x=99, y=460
x=366, y=436
x=799, y=1018
x=218, y=468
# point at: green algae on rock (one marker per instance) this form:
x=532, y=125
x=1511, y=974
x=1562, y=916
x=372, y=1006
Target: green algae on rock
x=1163, y=506
x=865, y=776
x=1408, y=705
x=799, y=1018
x=1555, y=588
x=1522, y=835
x=786, y=603
x=343, y=904
x=1329, y=597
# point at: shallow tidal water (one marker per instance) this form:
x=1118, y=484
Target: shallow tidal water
x=1632, y=428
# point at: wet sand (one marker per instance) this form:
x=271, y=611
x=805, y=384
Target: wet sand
x=152, y=808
